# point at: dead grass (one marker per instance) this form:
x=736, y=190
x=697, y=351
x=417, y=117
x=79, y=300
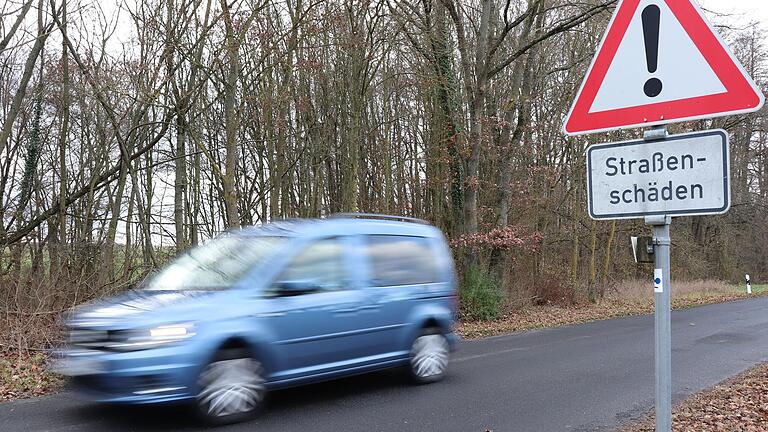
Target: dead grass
x=640, y=290
x=24, y=345
x=739, y=404
x=625, y=299
x=26, y=375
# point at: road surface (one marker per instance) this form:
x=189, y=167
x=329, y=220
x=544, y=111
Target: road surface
x=589, y=377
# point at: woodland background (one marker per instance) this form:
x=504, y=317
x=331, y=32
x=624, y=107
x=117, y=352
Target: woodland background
x=133, y=132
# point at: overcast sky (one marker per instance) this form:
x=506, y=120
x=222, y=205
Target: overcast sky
x=744, y=11
x=740, y=13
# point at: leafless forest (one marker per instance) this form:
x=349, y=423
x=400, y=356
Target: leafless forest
x=134, y=131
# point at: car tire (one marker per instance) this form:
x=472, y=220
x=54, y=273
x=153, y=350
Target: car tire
x=231, y=388
x=429, y=357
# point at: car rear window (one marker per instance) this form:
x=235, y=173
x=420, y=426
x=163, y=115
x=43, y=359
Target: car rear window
x=401, y=260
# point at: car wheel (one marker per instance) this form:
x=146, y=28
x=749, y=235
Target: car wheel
x=429, y=357
x=231, y=388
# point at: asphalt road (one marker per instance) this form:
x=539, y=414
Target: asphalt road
x=588, y=377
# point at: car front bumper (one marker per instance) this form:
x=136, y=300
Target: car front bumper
x=138, y=377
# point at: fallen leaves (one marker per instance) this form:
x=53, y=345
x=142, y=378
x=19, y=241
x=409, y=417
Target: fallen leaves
x=25, y=375
x=739, y=404
x=535, y=317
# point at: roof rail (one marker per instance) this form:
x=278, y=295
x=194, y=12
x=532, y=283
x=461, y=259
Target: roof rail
x=378, y=216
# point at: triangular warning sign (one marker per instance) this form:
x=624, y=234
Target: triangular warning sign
x=660, y=62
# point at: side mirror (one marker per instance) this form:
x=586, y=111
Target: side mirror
x=296, y=287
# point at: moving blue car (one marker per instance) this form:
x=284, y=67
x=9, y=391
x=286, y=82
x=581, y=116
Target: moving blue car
x=280, y=305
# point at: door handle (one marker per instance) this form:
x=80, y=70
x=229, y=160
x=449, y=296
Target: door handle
x=270, y=314
x=346, y=309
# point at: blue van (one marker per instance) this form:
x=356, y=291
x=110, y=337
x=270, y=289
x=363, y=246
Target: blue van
x=261, y=308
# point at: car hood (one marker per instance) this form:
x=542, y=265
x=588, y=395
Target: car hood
x=132, y=305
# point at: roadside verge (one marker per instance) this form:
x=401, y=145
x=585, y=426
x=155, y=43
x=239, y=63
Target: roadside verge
x=737, y=404
x=537, y=317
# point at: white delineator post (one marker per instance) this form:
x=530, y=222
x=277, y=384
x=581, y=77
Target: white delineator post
x=749, y=285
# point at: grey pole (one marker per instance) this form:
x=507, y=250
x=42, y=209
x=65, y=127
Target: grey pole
x=662, y=314
x=663, y=323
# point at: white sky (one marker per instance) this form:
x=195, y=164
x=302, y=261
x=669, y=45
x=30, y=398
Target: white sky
x=737, y=13
x=743, y=12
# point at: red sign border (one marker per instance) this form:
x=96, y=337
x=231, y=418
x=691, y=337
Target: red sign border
x=742, y=95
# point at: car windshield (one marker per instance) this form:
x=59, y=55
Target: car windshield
x=215, y=265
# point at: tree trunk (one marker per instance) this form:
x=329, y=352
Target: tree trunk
x=231, y=119
x=180, y=183
x=592, y=292
x=63, y=135
x=29, y=68
x=608, y=255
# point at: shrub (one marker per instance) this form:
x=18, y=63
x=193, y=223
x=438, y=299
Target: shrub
x=480, y=296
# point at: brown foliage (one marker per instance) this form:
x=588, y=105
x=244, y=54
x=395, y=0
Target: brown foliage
x=739, y=404
x=501, y=238
x=24, y=375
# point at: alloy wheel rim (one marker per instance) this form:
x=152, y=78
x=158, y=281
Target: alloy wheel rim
x=429, y=356
x=231, y=387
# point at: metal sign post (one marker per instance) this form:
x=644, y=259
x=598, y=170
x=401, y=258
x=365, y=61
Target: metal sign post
x=662, y=288
x=662, y=321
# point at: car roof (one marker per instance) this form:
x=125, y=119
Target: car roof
x=342, y=224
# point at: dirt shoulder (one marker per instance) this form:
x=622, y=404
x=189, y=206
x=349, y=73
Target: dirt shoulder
x=25, y=375
x=557, y=316
x=739, y=404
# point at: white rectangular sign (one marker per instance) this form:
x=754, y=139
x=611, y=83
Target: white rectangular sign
x=680, y=175
x=658, y=280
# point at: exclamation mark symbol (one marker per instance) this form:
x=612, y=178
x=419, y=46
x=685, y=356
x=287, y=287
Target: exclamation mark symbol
x=651, y=16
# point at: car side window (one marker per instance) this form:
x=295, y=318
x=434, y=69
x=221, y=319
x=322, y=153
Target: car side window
x=320, y=265
x=401, y=260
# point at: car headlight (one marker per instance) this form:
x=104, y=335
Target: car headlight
x=150, y=338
